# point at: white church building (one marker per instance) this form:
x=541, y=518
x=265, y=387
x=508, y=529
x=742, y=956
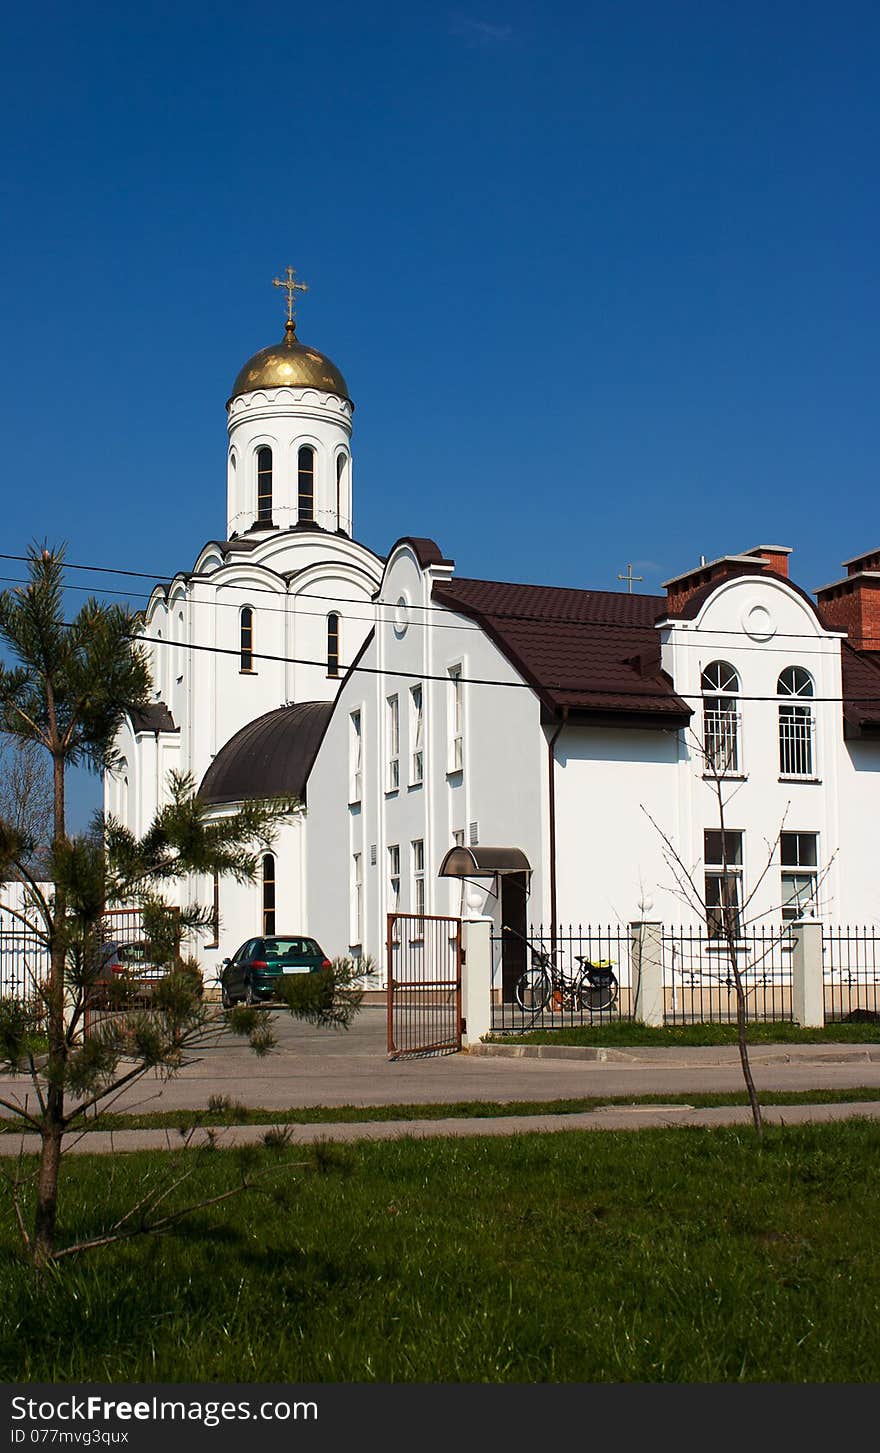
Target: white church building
x=560, y=731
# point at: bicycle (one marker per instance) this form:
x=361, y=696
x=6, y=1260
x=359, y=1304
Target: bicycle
x=594, y=987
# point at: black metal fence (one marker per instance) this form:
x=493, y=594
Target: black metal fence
x=851, y=973
x=698, y=980
x=556, y=992
x=24, y=963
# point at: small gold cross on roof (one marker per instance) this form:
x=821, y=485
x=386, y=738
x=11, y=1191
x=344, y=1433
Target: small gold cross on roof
x=291, y=288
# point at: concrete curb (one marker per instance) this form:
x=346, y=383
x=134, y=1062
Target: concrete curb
x=699, y=1055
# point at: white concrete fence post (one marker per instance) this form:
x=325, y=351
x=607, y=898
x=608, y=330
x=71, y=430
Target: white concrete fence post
x=646, y=955
x=807, y=975
x=476, y=978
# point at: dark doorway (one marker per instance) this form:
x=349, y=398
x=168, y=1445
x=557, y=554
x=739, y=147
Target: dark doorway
x=514, y=893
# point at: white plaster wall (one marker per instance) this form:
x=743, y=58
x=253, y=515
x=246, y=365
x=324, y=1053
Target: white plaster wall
x=608, y=856
x=858, y=876
x=499, y=786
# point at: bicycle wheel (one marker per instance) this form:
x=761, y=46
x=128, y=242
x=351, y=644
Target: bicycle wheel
x=533, y=990
x=598, y=998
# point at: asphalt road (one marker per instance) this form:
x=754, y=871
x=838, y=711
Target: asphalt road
x=320, y=1067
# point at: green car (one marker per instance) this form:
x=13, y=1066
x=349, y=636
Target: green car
x=253, y=974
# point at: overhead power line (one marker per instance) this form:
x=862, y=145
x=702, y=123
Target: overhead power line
x=459, y=607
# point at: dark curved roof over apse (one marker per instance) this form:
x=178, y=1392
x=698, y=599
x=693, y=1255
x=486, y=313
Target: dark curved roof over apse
x=270, y=757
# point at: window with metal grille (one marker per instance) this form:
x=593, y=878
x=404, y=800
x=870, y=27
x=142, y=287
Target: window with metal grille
x=795, y=724
x=306, y=483
x=723, y=857
x=264, y=486
x=246, y=639
x=333, y=644
x=721, y=746
x=798, y=854
x=268, y=893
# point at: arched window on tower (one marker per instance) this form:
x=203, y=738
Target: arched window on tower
x=264, y=485
x=341, y=462
x=269, y=893
x=333, y=644
x=306, y=483
x=246, y=641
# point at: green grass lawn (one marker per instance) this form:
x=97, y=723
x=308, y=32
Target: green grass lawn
x=625, y=1032
x=683, y=1255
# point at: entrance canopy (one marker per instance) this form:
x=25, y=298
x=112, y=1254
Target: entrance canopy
x=483, y=862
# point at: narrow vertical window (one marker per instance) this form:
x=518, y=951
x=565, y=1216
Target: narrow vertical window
x=246, y=643
x=418, y=870
x=340, y=489
x=798, y=855
x=264, y=486
x=416, y=731
x=355, y=757
x=306, y=483
x=392, y=739
x=269, y=893
x=356, y=929
x=720, y=685
x=795, y=724
x=455, y=755
x=723, y=854
x=393, y=878
x=333, y=644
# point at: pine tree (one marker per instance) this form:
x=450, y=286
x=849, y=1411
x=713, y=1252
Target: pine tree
x=68, y=694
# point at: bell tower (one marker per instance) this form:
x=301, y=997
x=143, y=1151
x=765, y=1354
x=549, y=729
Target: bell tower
x=289, y=462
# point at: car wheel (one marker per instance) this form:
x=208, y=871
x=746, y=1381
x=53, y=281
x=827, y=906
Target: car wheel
x=226, y=998
x=250, y=997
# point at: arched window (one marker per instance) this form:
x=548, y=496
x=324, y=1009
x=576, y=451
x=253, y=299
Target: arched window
x=246, y=643
x=269, y=893
x=795, y=723
x=264, y=485
x=333, y=645
x=341, y=462
x=306, y=483
x=720, y=686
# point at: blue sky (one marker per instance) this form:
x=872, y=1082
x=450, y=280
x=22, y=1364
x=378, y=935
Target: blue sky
x=601, y=277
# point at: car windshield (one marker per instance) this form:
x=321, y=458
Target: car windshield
x=291, y=948
x=134, y=953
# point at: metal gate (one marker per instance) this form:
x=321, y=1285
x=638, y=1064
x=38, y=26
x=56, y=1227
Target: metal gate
x=424, y=984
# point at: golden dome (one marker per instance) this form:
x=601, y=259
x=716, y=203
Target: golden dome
x=290, y=363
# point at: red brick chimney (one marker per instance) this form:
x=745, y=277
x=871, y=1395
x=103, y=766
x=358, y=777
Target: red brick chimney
x=763, y=557
x=853, y=603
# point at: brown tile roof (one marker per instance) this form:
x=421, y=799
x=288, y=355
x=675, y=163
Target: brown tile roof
x=594, y=651
x=861, y=691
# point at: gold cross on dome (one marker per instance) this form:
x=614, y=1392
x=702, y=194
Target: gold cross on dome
x=291, y=288
x=630, y=578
